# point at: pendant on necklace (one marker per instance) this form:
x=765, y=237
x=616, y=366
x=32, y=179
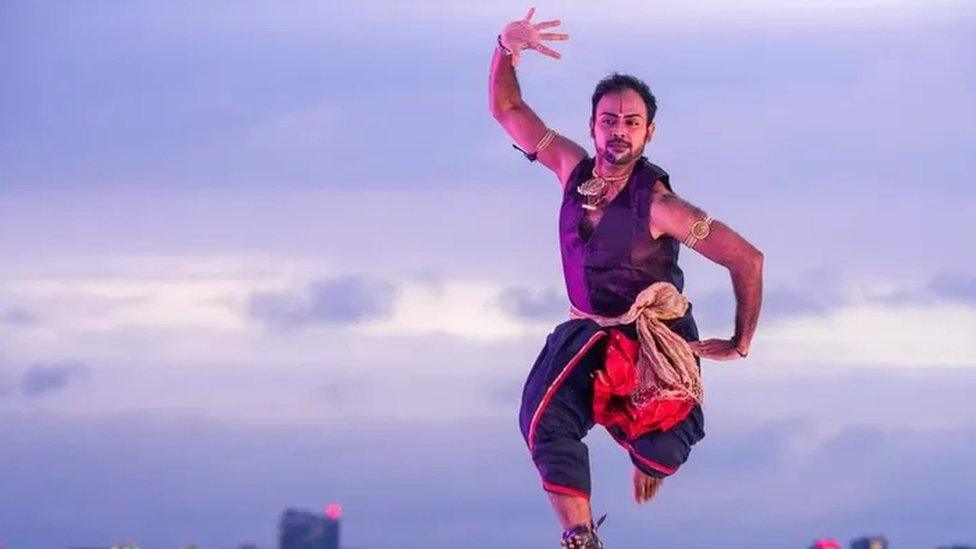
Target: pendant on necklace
x=592, y=190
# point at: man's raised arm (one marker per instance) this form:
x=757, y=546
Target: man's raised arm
x=521, y=123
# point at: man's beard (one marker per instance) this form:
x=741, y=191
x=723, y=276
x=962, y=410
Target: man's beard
x=623, y=157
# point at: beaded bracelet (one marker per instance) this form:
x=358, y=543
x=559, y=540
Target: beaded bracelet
x=502, y=47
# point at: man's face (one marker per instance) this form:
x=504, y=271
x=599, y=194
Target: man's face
x=620, y=128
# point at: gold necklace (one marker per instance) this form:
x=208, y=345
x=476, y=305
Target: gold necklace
x=595, y=188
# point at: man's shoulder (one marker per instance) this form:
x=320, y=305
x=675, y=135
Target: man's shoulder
x=580, y=170
x=657, y=175
x=582, y=165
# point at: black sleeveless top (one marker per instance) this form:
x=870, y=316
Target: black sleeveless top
x=606, y=266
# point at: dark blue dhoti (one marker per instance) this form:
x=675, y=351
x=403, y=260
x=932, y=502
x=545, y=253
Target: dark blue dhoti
x=557, y=412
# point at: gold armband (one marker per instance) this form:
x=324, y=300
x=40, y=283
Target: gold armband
x=699, y=231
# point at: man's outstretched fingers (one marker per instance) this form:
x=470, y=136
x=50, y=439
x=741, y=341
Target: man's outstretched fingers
x=531, y=12
x=553, y=36
x=548, y=24
x=544, y=50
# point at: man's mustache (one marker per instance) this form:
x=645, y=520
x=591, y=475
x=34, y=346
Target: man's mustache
x=617, y=143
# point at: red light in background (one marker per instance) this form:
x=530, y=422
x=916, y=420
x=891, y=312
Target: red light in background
x=333, y=511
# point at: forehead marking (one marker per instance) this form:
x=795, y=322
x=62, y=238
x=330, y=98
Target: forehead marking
x=624, y=101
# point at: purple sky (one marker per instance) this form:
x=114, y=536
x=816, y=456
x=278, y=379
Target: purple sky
x=263, y=256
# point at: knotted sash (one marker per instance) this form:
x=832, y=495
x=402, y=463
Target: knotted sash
x=652, y=383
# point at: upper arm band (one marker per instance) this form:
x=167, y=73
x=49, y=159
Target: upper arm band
x=699, y=231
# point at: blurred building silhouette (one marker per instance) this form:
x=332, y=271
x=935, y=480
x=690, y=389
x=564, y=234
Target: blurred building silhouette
x=306, y=530
x=873, y=542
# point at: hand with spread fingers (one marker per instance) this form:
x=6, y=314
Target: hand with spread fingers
x=523, y=34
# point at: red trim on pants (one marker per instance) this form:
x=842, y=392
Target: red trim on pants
x=650, y=463
x=564, y=490
x=568, y=369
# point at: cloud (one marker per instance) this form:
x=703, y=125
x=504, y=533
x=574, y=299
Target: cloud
x=831, y=318
x=954, y=287
x=46, y=378
x=911, y=335
x=524, y=303
x=468, y=308
x=941, y=287
x=717, y=308
x=812, y=292
x=17, y=317
x=780, y=303
x=342, y=300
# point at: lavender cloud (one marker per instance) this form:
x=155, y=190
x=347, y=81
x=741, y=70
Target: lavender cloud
x=342, y=300
x=46, y=378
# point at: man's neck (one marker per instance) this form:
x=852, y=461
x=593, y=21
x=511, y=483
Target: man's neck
x=606, y=169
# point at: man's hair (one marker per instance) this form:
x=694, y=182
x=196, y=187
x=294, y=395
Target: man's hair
x=618, y=82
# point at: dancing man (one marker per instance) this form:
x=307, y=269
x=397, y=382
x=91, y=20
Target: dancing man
x=629, y=356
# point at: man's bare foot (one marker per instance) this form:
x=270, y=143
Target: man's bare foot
x=645, y=486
